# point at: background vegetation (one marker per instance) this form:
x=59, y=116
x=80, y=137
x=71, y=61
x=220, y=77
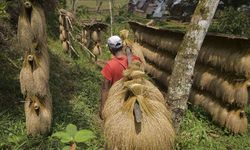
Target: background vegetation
x=75, y=87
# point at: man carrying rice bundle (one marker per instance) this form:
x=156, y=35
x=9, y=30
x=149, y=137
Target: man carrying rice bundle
x=133, y=109
x=112, y=71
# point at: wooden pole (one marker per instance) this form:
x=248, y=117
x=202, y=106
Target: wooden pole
x=111, y=18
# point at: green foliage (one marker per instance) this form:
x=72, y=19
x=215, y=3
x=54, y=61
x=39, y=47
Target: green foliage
x=72, y=136
x=232, y=21
x=3, y=6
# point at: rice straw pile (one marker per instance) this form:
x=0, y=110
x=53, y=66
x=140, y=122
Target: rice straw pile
x=155, y=132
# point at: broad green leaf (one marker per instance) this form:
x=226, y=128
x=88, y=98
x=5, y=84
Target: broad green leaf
x=65, y=137
x=84, y=135
x=71, y=130
x=66, y=148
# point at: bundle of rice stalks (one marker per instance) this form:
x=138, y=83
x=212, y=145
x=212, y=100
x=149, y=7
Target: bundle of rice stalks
x=235, y=120
x=221, y=86
x=162, y=42
x=97, y=50
x=161, y=76
x=96, y=36
x=65, y=45
x=61, y=18
x=227, y=60
x=61, y=27
x=137, y=51
x=38, y=112
x=124, y=34
x=122, y=131
x=64, y=35
x=163, y=61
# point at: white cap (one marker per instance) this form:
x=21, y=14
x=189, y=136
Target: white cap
x=115, y=42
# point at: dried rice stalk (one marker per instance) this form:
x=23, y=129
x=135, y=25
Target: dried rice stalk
x=96, y=36
x=97, y=50
x=65, y=46
x=38, y=112
x=234, y=120
x=137, y=51
x=61, y=27
x=163, y=61
x=157, y=74
x=162, y=42
x=228, y=60
x=64, y=35
x=61, y=18
x=221, y=86
x=121, y=132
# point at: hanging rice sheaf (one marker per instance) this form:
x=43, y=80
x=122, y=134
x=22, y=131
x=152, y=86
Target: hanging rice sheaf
x=227, y=60
x=164, y=43
x=222, y=86
x=135, y=47
x=61, y=18
x=234, y=120
x=97, y=50
x=157, y=74
x=122, y=130
x=65, y=45
x=164, y=61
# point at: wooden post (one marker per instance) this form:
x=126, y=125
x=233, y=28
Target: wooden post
x=181, y=79
x=111, y=18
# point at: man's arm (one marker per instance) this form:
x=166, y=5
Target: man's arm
x=106, y=85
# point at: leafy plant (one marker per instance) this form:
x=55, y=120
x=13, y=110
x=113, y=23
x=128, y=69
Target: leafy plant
x=232, y=21
x=72, y=136
x=3, y=13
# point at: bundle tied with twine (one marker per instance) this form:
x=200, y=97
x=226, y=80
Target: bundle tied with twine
x=136, y=48
x=122, y=131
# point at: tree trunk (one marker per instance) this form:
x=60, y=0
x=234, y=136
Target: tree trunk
x=181, y=79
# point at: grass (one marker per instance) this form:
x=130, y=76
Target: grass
x=75, y=87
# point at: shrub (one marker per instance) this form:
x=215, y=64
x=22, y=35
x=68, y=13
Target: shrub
x=232, y=21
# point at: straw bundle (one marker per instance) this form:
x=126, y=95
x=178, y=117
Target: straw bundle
x=64, y=35
x=221, y=86
x=137, y=51
x=65, y=46
x=163, y=61
x=61, y=19
x=38, y=112
x=234, y=120
x=124, y=34
x=163, y=43
x=61, y=27
x=155, y=132
x=97, y=50
x=135, y=47
x=227, y=60
x=96, y=36
x=161, y=76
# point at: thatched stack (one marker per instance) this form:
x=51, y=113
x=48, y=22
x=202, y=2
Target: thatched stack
x=221, y=73
x=64, y=30
x=34, y=75
x=122, y=132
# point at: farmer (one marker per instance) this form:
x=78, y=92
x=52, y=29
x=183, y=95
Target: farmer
x=113, y=69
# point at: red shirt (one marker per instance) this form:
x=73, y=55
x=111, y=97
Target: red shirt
x=112, y=71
